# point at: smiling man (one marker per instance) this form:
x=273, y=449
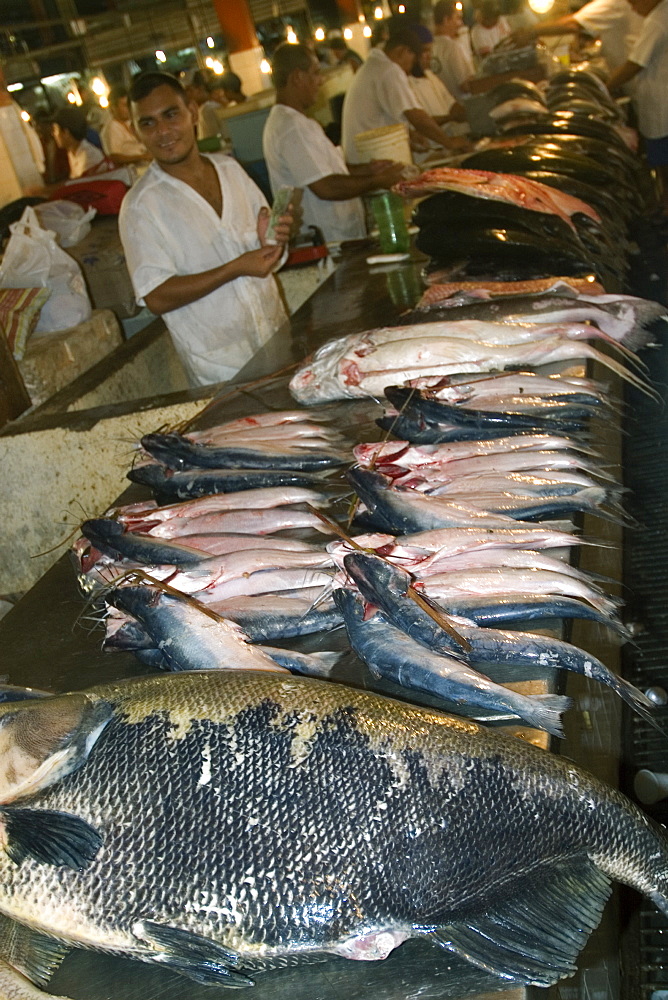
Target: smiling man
x=299, y=154
x=193, y=233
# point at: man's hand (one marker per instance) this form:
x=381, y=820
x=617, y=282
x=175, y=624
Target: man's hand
x=282, y=229
x=459, y=143
x=257, y=263
x=391, y=175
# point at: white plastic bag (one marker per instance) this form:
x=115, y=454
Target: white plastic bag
x=33, y=259
x=68, y=221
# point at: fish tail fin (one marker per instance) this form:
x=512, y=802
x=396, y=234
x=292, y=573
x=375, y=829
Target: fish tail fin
x=638, y=701
x=546, y=712
x=640, y=383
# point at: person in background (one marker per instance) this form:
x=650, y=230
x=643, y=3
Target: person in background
x=380, y=94
x=193, y=230
x=96, y=115
x=615, y=22
x=230, y=84
x=197, y=87
x=299, y=154
x=343, y=55
x=451, y=63
x=208, y=123
x=647, y=66
x=379, y=35
x=119, y=142
x=69, y=131
x=431, y=93
x=519, y=15
x=489, y=29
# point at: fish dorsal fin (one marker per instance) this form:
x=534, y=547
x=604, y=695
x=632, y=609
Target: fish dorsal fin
x=43, y=741
x=32, y=954
x=534, y=936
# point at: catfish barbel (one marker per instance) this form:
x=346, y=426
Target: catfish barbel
x=217, y=823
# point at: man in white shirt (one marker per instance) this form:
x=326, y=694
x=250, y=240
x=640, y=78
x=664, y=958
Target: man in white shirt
x=69, y=131
x=119, y=142
x=647, y=65
x=299, y=154
x=490, y=28
x=614, y=22
x=380, y=94
x=193, y=230
x=451, y=63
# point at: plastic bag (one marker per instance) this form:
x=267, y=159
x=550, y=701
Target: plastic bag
x=33, y=259
x=68, y=221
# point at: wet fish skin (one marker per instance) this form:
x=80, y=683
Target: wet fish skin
x=500, y=609
x=392, y=654
x=111, y=538
x=360, y=879
x=201, y=482
x=268, y=617
x=176, y=452
x=386, y=586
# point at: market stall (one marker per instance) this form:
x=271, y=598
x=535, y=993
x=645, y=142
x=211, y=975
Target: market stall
x=53, y=647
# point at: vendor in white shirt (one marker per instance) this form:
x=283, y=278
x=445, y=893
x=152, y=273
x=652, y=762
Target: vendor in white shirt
x=431, y=92
x=69, y=131
x=451, y=63
x=647, y=66
x=490, y=29
x=119, y=141
x=614, y=22
x=299, y=154
x=380, y=95
x=193, y=229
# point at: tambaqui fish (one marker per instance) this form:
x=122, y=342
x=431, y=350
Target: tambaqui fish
x=215, y=823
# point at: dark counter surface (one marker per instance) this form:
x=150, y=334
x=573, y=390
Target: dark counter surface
x=52, y=640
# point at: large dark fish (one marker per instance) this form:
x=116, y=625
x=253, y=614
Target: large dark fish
x=212, y=823
x=177, y=452
x=169, y=486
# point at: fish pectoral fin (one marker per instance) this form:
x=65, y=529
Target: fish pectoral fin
x=32, y=954
x=48, y=836
x=200, y=959
x=44, y=740
x=534, y=937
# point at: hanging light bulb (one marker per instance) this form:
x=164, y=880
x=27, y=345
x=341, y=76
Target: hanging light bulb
x=401, y=8
x=217, y=67
x=347, y=33
x=541, y=6
x=104, y=101
x=160, y=56
x=208, y=62
x=378, y=13
x=319, y=34
x=291, y=36
x=366, y=31
x=25, y=116
x=210, y=42
x=265, y=67
x=98, y=87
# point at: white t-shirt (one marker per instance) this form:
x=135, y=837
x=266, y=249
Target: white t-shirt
x=168, y=229
x=119, y=138
x=451, y=65
x=378, y=95
x=297, y=153
x=615, y=23
x=85, y=156
x=484, y=39
x=431, y=94
x=651, y=84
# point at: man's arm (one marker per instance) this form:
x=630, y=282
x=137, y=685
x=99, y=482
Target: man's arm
x=181, y=290
x=567, y=25
x=426, y=126
x=623, y=75
x=340, y=187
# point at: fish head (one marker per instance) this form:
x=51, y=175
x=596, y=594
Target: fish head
x=374, y=575
x=149, y=474
x=44, y=740
x=167, y=448
x=102, y=532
